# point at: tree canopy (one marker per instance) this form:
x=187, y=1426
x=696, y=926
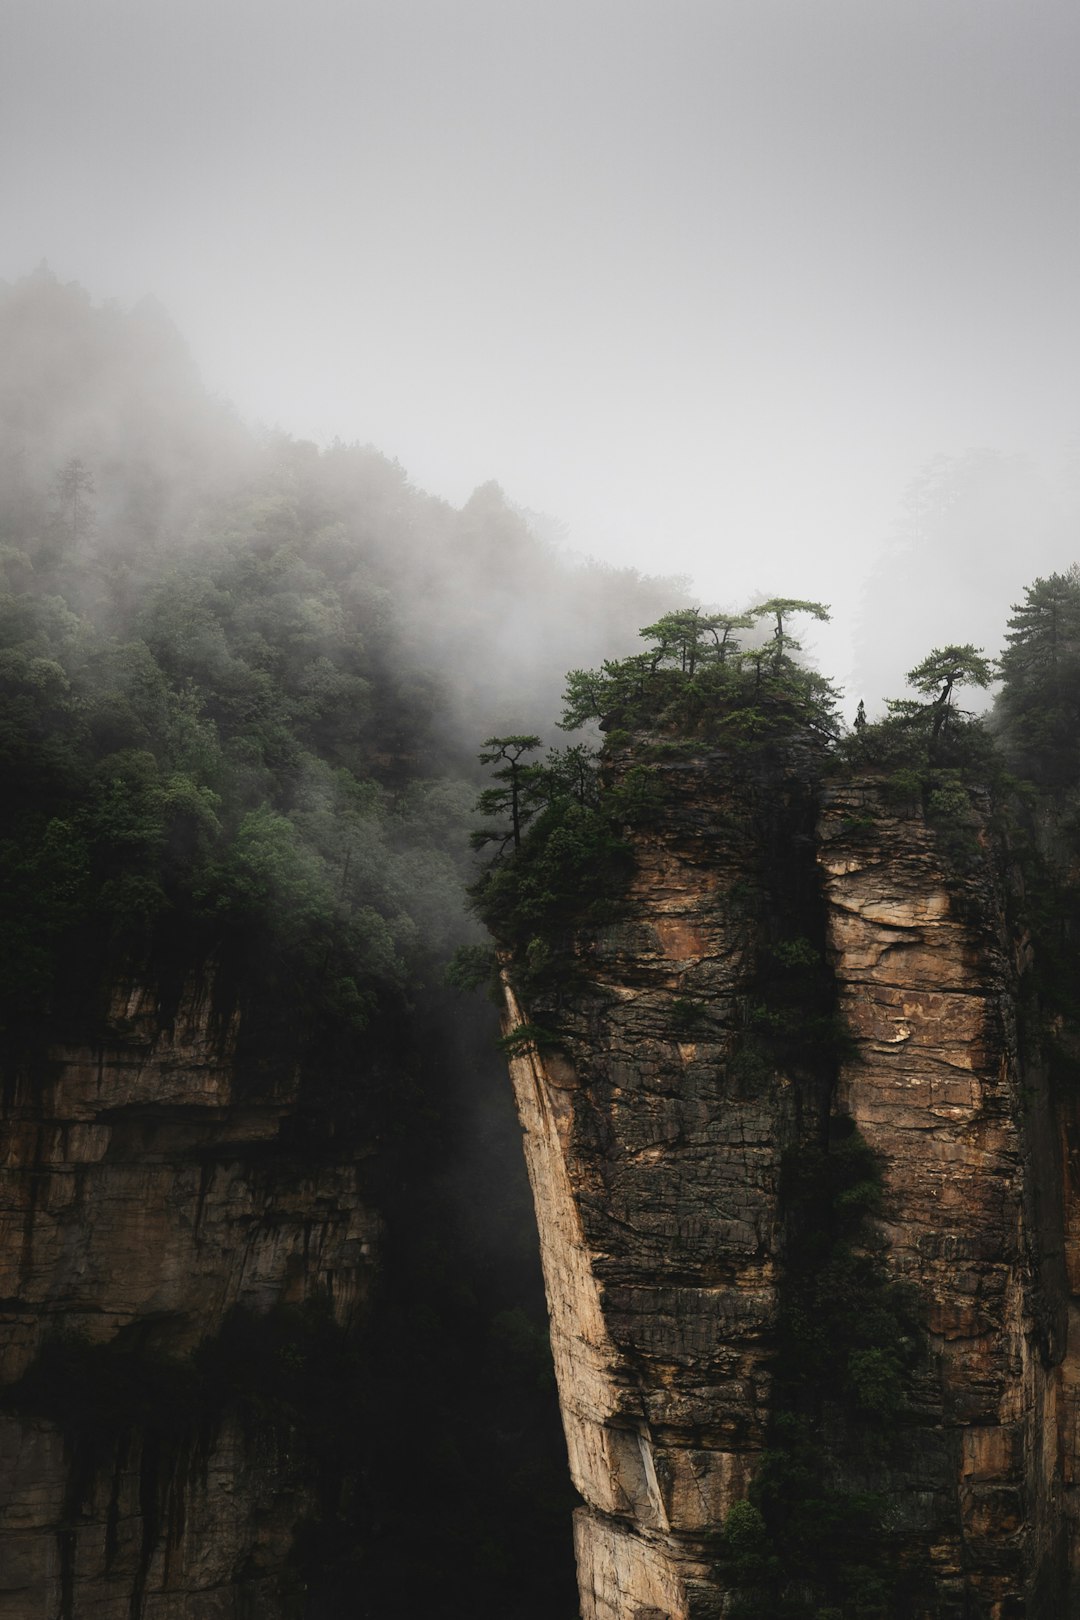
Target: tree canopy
x=934, y=731
x=1038, y=709
x=938, y=676
x=704, y=674
x=517, y=794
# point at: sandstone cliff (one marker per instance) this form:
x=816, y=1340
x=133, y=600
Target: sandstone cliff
x=147, y=1204
x=656, y=1127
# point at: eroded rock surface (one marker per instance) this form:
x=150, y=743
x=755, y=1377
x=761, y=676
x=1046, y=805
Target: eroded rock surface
x=654, y=1140
x=927, y=984
x=654, y=1155
x=141, y=1195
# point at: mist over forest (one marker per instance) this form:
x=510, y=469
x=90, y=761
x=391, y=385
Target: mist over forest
x=777, y=298
x=397, y=385
x=261, y=621
x=245, y=683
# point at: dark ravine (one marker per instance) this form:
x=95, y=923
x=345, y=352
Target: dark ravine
x=656, y=1131
x=242, y=1312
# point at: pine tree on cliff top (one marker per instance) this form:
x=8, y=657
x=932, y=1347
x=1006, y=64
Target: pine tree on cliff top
x=1038, y=710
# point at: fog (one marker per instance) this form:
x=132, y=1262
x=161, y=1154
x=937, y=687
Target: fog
x=709, y=286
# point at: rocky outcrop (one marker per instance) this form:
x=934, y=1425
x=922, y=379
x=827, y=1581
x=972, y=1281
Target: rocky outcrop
x=654, y=1132
x=653, y=1139
x=147, y=1195
x=143, y=1196
x=928, y=985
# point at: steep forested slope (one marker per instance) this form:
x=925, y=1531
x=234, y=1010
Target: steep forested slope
x=241, y=683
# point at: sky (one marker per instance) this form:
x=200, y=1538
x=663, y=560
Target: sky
x=705, y=282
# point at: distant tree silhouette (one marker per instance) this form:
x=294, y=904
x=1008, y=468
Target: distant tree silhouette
x=73, y=486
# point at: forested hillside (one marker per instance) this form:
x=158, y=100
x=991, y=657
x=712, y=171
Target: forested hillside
x=243, y=682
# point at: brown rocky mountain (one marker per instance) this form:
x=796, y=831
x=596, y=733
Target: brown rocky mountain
x=663, y=1111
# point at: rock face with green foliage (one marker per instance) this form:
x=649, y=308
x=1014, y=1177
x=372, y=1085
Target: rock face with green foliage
x=802, y=1212
x=654, y=1137
x=794, y=1030
x=929, y=983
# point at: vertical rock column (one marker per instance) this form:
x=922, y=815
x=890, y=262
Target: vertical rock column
x=653, y=1145
x=927, y=991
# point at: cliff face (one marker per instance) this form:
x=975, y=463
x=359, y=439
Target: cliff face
x=975, y=1212
x=654, y=1135
x=142, y=1200
x=654, y=1146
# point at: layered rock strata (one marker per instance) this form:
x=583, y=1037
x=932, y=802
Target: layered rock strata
x=141, y=1199
x=654, y=1139
x=654, y=1155
x=927, y=978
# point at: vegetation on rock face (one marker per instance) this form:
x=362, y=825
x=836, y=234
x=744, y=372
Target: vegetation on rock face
x=808, y=1543
x=568, y=866
x=560, y=826
x=233, y=679
x=934, y=734
x=805, y=1545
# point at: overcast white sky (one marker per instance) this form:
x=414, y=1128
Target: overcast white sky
x=706, y=280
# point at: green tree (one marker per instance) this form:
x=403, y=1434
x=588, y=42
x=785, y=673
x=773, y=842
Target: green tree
x=619, y=686
x=1038, y=709
x=518, y=794
x=570, y=772
x=690, y=637
x=779, y=608
x=1044, y=630
x=722, y=628
x=696, y=678
x=937, y=677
